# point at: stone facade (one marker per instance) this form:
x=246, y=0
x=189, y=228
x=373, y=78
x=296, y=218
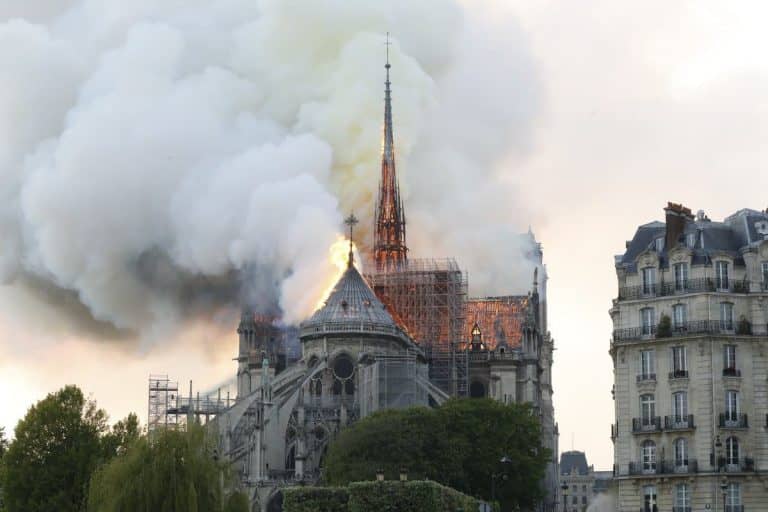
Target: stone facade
x=690, y=355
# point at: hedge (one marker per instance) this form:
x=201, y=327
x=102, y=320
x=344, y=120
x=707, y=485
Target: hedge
x=410, y=496
x=315, y=499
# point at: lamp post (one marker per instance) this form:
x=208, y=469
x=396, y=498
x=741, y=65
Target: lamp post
x=564, y=488
x=503, y=475
x=724, y=489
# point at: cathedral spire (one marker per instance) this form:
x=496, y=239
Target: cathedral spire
x=389, y=249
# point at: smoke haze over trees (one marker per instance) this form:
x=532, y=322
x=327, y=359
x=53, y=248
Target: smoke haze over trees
x=164, y=160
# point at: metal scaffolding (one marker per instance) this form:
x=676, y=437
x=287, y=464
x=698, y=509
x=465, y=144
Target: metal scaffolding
x=167, y=409
x=427, y=297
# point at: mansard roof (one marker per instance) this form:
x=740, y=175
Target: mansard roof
x=352, y=307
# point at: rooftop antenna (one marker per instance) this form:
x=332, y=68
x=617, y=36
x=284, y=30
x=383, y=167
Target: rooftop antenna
x=351, y=221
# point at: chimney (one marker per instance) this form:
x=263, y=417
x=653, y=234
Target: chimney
x=677, y=216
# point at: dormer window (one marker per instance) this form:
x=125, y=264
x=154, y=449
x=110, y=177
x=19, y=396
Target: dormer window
x=477, y=338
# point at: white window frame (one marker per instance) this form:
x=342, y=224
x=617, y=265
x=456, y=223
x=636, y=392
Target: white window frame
x=729, y=357
x=647, y=363
x=679, y=316
x=681, y=276
x=682, y=496
x=649, y=280
x=732, y=405
x=726, y=316
x=648, y=455
x=733, y=497
x=680, y=406
x=650, y=498
x=648, y=321
x=732, y=451
x=680, y=446
x=647, y=409
x=679, y=359
x=722, y=277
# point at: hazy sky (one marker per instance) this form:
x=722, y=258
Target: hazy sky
x=608, y=111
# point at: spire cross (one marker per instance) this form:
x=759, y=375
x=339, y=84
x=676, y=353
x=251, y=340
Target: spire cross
x=351, y=221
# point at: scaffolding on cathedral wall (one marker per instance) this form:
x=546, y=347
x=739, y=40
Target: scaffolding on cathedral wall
x=169, y=409
x=427, y=298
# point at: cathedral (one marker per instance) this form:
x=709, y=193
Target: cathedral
x=404, y=334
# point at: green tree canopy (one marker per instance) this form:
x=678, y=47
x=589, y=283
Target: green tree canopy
x=172, y=472
x=459, y=444
x=56, y=447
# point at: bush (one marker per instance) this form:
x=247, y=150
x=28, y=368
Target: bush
x=411, y=496
x=315, y=499
x=665, y=327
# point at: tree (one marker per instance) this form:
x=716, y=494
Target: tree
x=172, y=472
x=459, y=444
x=56, y=447
x=123, y=434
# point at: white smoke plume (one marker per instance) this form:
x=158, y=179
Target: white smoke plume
x=161, y=159
x=603, y=503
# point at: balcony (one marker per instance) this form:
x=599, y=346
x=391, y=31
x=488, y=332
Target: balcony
x=646, y=377
x=733, y=421
x=743, y=465
x=691, y=329
x=681, y=509
x=647, y=468
x=680, y=467
x=731, y=372
x=734, y=508
x=678, y=422
x=699, y=285
x=645, y=425
x=678, y=374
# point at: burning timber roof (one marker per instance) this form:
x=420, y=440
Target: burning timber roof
x=352, y=308
x=500, y=319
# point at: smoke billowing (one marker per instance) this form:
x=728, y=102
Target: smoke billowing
x=162, y=160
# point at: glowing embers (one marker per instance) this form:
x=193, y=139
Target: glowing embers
x=500, y=319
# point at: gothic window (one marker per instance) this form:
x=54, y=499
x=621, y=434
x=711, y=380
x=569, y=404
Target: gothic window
x=290, y=459
x=343, y=372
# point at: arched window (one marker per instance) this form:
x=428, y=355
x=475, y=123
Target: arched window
x=343, y=371
x=648, y=456
x=732, y=451
x=681, y=452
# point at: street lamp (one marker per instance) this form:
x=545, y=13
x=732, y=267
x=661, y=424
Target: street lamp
x=379, y=475
x=564, y=487
x=503, y=475
x=403, y=474
x=724, y=489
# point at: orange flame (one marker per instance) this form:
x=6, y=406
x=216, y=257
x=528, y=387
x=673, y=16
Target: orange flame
x=338, y=253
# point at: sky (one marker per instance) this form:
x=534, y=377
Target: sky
x=580, y=119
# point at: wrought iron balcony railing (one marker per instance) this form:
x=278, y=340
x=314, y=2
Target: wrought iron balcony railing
x=678, y=374
x=679, y=422
x=743, y=465
x=698, y=285
x=734, y=508
x=733, y=420
x=681, y=509
x=644, y=468
x=742, y=328
x=731, y=372
x=643, y=377
x=643, y=425
x=680, y=467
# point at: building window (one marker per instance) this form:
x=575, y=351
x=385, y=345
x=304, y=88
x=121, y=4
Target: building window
x=647, y=409
x=583, y=500
x=682, y=497
x=680, y=406
x=721, y=275
x=733, y=498
x=648, y=456
x=726, y=316
x=765, y=275
x=729, y=359
x=659, y=244
x=679, y=316
x=732, y=451
x=681, y=277
x=649, y=281
x=690, y=240
x=647, y=365
x=649, y=499
x=731, y=405
x=648, y=321
x=679, y=362
x=575, y=500
x=681, y=452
